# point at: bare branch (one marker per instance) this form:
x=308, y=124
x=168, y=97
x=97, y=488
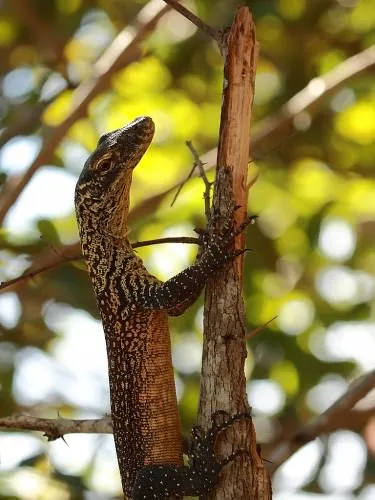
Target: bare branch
x=181, y=185
x=216, y=35
x=30, y=274
x=170, y=239
x=54, y=428
x=325, y=422
x=44, y=262
x=69, y=253
x=207, y=183
x=259, y=329
x=123, y=50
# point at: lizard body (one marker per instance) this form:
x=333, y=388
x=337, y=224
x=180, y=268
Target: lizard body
x=134, y=308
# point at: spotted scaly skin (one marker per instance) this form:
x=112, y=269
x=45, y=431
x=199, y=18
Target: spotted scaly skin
x=202, y=474
x=134, y=306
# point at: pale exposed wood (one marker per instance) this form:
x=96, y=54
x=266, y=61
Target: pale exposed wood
x=238, y=95
x=223, y=385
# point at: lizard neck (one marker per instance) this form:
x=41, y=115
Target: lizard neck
x=106, y=254
x=143, y=400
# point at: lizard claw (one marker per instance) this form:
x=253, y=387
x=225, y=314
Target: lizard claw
x=239, y=251
x=218, y=416
x=250, y=219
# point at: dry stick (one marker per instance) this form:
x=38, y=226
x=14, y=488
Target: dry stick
x=123, y=50
x=45, y=262
x=55, y=428
x=69, y=254
x=223, y=383
x=207, y=183
x=325, y=422
x=170, y=239
x=180, y=186
x=216, y=35
x=271, y=127
x=259, y=329
x=30, y=274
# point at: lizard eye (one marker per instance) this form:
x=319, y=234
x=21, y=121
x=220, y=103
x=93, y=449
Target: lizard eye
x=104, y=166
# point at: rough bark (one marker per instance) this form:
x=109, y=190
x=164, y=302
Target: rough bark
x=223, y=385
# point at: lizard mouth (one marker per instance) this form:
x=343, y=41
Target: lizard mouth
x=140, y=131
x=135, y=138
x=144, y=123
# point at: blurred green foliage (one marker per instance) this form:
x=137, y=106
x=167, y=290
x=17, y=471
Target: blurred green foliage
x=313, y=259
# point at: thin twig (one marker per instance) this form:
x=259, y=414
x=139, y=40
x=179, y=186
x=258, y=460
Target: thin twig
x=207, y=183
x=181, y=185
x=54, y=428
x=215, y=34
x=251, y=183
x=28, y=275
x=325, y=422
x=259, y=329
x=61, y=257
x=202, y=173
x=264, y=154
x=45, y=262
x=170, y=239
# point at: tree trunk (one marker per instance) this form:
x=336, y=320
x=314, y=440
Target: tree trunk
x=223, y=385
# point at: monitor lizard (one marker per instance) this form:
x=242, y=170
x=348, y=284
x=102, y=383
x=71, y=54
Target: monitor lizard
x=134, y=308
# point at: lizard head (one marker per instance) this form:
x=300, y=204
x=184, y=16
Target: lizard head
x=102, y=190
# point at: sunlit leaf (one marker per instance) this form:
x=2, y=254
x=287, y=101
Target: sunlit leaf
x=8, y=31
x=58, y=109
x=357, y=123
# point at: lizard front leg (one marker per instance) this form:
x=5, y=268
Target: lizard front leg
x=179, y=292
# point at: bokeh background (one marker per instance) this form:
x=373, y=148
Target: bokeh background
x=313, y=259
